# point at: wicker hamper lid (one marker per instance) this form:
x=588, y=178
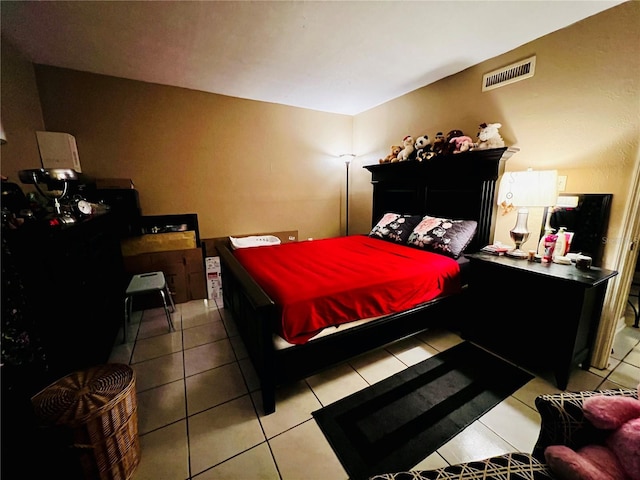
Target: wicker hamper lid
x=83, y=395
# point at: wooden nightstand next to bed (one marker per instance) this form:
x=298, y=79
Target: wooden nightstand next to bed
x=541, y=316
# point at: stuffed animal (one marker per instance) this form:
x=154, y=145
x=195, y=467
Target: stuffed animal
x=448, y=146
x=393, y=156
x=618, y=458
x=438, y=143
x=461, y=144
x=423, y=148
x=408, y=150
x=489, y=137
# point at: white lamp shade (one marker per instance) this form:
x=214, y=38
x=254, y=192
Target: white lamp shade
x=529, y=188
x=347, y=157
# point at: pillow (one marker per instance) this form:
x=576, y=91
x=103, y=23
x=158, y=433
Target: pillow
x=610, y=413
x=395, y=227
x=253, y=241
x=443, y=235
x=591, y=462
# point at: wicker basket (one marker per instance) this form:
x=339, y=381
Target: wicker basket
x=95, y=412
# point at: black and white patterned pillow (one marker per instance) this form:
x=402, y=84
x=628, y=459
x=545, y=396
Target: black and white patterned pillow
x=443, y=235
x=395, y=227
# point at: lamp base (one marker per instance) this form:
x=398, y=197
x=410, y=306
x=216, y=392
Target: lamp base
x=519, y=234
x=517, y=253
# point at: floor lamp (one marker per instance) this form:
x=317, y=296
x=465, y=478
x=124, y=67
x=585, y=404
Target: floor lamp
x=347, y=157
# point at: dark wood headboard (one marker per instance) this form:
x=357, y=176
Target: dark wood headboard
x=459, y=186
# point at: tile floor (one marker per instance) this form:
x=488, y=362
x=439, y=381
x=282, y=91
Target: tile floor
x=200, y=414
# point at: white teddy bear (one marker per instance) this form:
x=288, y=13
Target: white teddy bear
x=409, y=147
x=489, y=137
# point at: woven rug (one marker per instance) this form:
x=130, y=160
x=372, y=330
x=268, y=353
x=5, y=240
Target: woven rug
x=394, y=424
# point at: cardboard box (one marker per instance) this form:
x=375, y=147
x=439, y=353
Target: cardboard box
x=117, y=183
x=214, y=280
x=183, y=270
x=58, y=150
x=158, y=242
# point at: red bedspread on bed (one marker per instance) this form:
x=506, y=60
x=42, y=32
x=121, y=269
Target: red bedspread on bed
x=319, y=283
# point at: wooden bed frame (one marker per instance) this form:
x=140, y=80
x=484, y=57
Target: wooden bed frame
x=454, y=186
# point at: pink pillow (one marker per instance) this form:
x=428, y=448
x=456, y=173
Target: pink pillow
x=619, y=459
x=592, y=462
x=625, y=442
x=608, y=413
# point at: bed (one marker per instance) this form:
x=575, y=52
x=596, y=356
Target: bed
x=459, y=187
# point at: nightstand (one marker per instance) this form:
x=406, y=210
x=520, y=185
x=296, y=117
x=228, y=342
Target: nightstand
x=539, y=315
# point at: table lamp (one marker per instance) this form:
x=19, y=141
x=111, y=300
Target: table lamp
x=523, y=190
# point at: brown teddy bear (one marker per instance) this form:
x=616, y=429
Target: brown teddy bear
x=438, y=143
x=393, y=156
x=448, y=146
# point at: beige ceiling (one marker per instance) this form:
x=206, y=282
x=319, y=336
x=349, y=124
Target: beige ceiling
x=335, y=56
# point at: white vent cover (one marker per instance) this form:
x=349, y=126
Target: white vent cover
x=509, y=74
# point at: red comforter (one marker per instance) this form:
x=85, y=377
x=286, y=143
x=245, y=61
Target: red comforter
x=319, y=283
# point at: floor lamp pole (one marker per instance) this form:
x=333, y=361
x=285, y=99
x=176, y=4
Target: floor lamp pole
x=347, y=162
x=347, y=157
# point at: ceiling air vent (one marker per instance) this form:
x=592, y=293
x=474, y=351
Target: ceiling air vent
x=509, y=74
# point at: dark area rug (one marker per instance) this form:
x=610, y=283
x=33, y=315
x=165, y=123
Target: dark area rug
x=395, y=423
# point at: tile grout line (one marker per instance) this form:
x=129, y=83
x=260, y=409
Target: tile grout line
x=184, y=391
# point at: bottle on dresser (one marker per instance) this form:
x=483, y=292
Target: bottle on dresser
x=543, y=239
x=549, y=246
x=560, y=249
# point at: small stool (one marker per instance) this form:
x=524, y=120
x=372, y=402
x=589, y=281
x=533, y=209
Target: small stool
x=147, y=283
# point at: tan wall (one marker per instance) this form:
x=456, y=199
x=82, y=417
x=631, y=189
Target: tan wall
x=579, y=114
x=21, y=114
x=241, y=165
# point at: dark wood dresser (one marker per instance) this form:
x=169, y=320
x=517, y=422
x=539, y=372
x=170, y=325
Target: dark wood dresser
x=541, y=316
x=73, y=287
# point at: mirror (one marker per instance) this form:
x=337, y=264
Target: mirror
x=587, y=216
